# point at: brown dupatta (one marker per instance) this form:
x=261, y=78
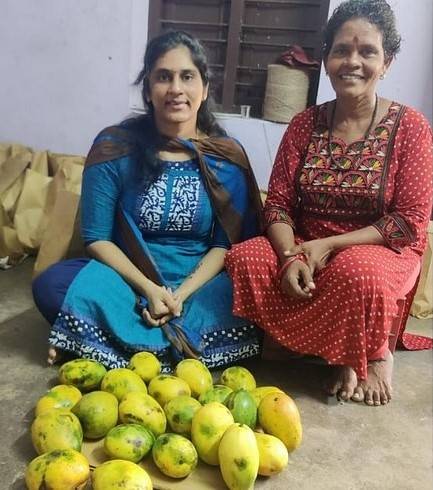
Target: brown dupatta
x=222, y=147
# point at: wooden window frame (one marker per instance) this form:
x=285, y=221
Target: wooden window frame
x=234, y=41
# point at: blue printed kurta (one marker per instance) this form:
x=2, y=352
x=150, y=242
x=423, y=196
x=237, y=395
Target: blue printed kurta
x=99, y=318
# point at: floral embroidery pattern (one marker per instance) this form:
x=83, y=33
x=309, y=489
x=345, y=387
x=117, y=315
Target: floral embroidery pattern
x=277, y=215
x=395, y=231
x=350, y=186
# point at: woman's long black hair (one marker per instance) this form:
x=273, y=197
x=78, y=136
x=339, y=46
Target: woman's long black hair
x=149, y=140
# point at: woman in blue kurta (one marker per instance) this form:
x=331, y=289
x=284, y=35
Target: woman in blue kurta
x=164, y=196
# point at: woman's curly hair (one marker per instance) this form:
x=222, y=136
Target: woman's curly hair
x=377, y=12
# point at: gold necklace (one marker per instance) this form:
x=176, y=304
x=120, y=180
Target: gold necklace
x=366, y=134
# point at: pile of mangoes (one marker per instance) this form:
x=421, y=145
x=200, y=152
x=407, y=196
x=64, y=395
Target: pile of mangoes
x=176, y=419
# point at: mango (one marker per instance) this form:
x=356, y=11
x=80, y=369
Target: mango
x=260, y=392
x=174, y=455
x=165, y=387
x=180, y=412
x=243, y=407
x=61, y=469
x=218, y=393
x=207, y=429
x=279, y=416
x=131, y=442
x=84, y=374
x=145, y=364
x=196, y=374
x=60, y=396
x=273, y=454
x=121, y=381
x=98, y=413
x=120, y=475
x=139, y=408
x=238, y=378
x=239, y=457
x=57, y=428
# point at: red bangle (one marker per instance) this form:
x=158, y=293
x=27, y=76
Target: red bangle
x=289, y=262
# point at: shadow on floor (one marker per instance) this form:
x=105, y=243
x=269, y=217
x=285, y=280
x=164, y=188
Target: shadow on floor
x=295, y=377
x=25, y=336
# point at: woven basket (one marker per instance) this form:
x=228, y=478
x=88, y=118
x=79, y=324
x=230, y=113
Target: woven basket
x=286, y=93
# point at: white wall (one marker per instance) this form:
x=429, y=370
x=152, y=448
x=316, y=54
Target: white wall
x=261, y=140
x=67, y=66
x=64, y=70
x=409, y=79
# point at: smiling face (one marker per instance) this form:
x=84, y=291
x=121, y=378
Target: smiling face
x=356, y=59
x=176, y=91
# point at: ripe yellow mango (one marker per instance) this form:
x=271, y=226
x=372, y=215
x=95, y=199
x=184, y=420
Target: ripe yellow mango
x=196, y=374
x=139, y=408
x=98, y=413
x=60, y=396
x=238, y=378
x=120, y=475
x=64, y=469
x=218, y=393
x=239, y=457
x=121, y=381
x=57, y=428
x=174, y=455
x=279, y=416
x=165, y=387
x=180, y=412
x=128, y=441
x=273, y=455
x=207, y=429
x=146, y=365
x=84, y=374
x=260, y=392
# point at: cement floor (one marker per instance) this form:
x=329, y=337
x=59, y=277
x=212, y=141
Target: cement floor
x=346, y=446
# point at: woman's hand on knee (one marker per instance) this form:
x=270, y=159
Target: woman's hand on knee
x=317, y=253
x=297, y=281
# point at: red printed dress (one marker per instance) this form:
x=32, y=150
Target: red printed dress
x=384, y=181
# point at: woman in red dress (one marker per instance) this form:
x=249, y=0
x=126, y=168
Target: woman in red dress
x=349, y=202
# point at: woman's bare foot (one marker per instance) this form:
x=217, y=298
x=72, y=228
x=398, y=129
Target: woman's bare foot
x=342, y=382
x=53, y=356
x=376, y=389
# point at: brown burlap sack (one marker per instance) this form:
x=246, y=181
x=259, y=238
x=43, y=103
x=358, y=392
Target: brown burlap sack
x=61, y=238
x=286, y=93
x=39, y=195
x=14, y=160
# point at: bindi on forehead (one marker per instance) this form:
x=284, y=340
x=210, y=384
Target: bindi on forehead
x=362, y=43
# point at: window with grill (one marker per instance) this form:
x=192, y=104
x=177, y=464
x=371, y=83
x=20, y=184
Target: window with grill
x=242, y=37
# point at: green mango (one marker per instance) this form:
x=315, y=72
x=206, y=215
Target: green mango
x=218, y=393
x=243, y=407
